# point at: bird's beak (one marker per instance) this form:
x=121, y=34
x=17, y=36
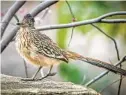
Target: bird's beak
x=19, y=23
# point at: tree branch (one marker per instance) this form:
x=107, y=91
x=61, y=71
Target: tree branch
x=45, y=13
x=9, y=15
x=34, y=12
x=4, y=42
x=112, y=14
x=42, y=6
x=17, y=19
x=114, y=41
x=110, y=85
x=110, y=21
x=85, y=22
x=104, y=73
x=73, y=20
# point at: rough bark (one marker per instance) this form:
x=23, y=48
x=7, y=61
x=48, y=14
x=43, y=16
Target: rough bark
x=14, y=86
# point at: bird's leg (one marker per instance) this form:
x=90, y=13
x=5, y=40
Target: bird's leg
x=33, y=77
x=49, y=74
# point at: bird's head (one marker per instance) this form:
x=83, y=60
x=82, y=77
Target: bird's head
x=28, y=20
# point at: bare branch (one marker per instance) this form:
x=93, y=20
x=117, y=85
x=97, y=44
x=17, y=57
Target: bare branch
x=17, y=19
x=114, y=41
x=113, y=21
x=120, y=83
x=42, y=6
x=85, y=22
x=4, y=42
x=45, y=13
x=69, y=25
x=72, y=31
x=104, y=73
x=10, y=13
x=70, y=9
x=110, y=85
x=73, y=19
x=112, y=14
x=34, y=12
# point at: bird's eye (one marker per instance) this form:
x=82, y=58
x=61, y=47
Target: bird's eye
x=19, y=23
x=28, y=15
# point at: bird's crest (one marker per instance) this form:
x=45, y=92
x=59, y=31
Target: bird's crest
x=28, y=20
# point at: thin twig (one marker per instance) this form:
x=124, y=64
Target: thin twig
x=110, y=84
x=73, y=20
x=72, y=31
x=13, y=39
x=114, y=41
x=10, y=13
x=104, y=73
x=17, y=19
x=42, y=6
x=45, y=13
x=120, y=83
x=70, y=9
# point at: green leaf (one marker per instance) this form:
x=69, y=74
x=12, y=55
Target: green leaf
x=70, y=72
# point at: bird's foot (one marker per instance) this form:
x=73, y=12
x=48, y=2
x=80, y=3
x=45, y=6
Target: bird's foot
x=49, y=74
x=28, y=79
x=32, y=79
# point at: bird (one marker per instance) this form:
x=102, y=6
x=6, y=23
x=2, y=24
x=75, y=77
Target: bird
x=37, y=48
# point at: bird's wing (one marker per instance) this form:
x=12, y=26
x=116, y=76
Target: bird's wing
x=45, y=46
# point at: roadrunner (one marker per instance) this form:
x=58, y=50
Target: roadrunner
x=39, y=49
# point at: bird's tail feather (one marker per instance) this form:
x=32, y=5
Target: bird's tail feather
x=95, y=62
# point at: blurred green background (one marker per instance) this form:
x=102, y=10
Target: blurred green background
x=89, y=10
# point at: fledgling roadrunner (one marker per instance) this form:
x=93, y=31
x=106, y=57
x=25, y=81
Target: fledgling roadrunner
x=39, y=49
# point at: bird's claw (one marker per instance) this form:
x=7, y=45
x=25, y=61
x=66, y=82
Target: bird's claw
x=27, y=79
x=52, y=74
